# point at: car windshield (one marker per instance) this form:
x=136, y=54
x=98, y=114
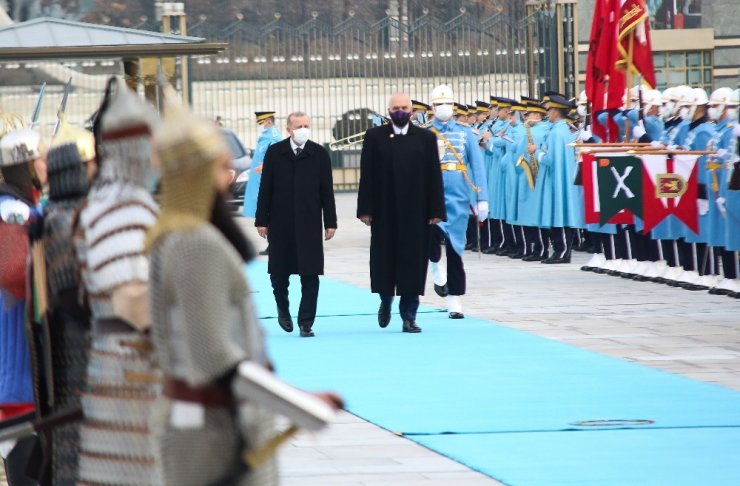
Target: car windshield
x=237, y=149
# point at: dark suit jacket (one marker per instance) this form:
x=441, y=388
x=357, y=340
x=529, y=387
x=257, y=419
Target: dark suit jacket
x=295, y=192
x=401, y=188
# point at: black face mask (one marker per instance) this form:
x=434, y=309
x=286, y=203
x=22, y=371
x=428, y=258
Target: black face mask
x=400, y=118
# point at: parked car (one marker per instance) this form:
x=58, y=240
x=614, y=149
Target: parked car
x=240, y=168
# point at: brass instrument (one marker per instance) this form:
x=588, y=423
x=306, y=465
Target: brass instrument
x=346, y=142
x=529, y=165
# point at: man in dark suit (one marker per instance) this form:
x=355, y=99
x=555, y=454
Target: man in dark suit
x=400, y=197
x=295, y=191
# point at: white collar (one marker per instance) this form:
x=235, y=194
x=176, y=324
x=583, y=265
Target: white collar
x=401, y=131
x=295, y=146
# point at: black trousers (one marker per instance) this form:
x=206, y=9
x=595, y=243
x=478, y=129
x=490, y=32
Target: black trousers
x=562, y=241
x=693, y=256
x=407, y=306
x=455, y=269
x=496, y=232
x=730, y=264
x=671, y=252
x=309, y=296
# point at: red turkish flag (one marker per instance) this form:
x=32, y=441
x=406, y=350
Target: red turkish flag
x=669, y=187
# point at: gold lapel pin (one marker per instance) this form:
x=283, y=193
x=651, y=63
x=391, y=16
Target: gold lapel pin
x=392, y=135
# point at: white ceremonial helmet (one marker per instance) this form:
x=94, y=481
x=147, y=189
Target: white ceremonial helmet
x=442, y=94
x=698, y=97
x=582, y=98
x=722, y=96
x=635, y=92
x=735, y=99
x=652, y=97
x=669, y=94
x=683, y=94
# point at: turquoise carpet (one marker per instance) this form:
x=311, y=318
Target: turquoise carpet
x=507, y=403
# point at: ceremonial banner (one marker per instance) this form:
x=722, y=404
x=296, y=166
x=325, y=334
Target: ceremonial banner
x=635, y=53
x=620, y=185
x=592, y=191
x=670, y=188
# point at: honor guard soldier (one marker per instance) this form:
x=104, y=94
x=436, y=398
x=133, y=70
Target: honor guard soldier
x=462, y=172
x=562, y=203
x=122, y=378
x=497, y=145
x=723, y=106
x=269, y=133
x=419, y=112
x=23, y=169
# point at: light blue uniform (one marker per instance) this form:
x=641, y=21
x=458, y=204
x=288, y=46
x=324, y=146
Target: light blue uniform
x=528, y=199
x=698, y=137
x=496, y=177
x=456, y=187
x=266, y=138
x=511, y=172
x=716, y=221
x=562, y=201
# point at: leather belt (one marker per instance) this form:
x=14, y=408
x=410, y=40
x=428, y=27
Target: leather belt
x=452, y=166
x=208, y=395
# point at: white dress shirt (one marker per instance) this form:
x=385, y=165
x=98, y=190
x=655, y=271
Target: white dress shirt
x=401, y=131
x=295, y=146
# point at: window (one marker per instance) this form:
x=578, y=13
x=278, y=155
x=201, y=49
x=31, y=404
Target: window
x=683, y=67
x=675, y=14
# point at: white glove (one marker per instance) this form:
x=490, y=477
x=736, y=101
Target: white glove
x=703, y=206
x=721, y=205
x=721, y=152
x=736, y=130
x=672, y=147
x=6, y=446
x=585, y=135
x=482, y=210
x=656, y=144
x=638, y=131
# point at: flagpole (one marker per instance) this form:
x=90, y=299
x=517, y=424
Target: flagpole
x=630, y=53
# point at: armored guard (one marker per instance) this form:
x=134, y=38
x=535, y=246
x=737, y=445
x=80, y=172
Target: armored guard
x=122, y=381
x=23, y=169
x=72, y=149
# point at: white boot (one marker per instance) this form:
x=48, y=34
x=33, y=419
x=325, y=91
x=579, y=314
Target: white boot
x=454, y=306
x=439, y=273
x=655, y=269
x=672, y=274
x=597, y=261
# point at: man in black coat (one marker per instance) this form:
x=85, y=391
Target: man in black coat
x=296, y=189
x=401, y=196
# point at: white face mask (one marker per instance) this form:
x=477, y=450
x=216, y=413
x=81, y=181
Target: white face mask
x=684, y=112
x=714, y=112
x=301, y=135
x=443, y=113
x=666, y=111
x=581, y=109
x=732, y=114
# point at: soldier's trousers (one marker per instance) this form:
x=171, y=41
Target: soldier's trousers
x=455, y=268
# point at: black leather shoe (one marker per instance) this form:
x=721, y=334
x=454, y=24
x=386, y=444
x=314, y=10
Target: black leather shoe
x=532, y=258
x=285, y=321
x=469, y=246
x=457, y=315
x=552, y=261
x=717, y=291
x=410, y=326
x=441, y=290
x=307, y=332
x=503, y=251
x=491, y=250
x=384, y=315
x=517, y=255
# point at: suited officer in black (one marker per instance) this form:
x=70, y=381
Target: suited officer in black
x=295, y=192
x=401, y=197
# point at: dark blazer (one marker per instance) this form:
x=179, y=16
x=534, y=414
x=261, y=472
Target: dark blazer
x=401, y=188
x=295, y=192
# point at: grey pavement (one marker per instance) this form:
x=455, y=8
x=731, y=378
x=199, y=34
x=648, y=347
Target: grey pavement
x=694, y=334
